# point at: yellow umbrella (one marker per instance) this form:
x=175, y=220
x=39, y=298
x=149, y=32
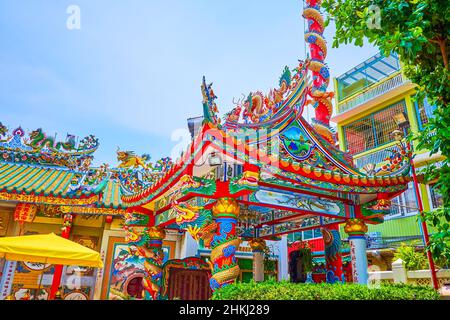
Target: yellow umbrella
x=48, y=248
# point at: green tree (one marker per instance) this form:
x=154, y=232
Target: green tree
x=414, y=260
x=418, y=31
x=269, y=263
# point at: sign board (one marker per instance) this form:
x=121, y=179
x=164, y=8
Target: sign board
x=7, y=279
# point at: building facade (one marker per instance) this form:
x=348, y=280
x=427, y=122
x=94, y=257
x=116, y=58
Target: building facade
x=372, y=100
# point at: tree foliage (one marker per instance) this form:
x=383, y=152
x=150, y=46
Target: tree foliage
x=269, y=263
x=418, y=31
x=414, y=260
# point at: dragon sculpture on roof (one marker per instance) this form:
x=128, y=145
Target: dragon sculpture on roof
x=39, y=148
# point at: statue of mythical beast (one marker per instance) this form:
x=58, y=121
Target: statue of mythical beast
x=197, y=221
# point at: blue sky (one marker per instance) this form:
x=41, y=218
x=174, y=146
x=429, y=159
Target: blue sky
x=131, y=75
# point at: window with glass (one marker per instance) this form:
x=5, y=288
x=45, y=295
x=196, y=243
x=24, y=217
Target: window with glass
x=295, y=236
x=405, y=204
x=305, y=235
x=370, y=72
x=311, y=234
x=436, y=197
x=374, y=130
x=424, y=112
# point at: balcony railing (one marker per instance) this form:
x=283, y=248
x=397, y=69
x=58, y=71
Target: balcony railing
x=376, y=157
x=372, y=92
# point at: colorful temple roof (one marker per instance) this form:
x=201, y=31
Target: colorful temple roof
x=36, y=169
x=27, y=179
x=112, y=195
x=288, y=166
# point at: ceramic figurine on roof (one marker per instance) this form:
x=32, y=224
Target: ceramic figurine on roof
x=138, y=172
x=257, y=110
x=36, y=169
x=210, y=110
x=39, y=140
x=3, y=132
x=128, y=159
x=38, y=148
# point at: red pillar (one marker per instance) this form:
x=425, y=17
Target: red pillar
x=333, y=257
x=424, y=225
x=67, y=226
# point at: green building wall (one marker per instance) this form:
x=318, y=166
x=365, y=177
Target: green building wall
x=400, y=227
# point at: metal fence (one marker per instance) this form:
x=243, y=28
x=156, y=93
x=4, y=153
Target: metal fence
x=379, y=242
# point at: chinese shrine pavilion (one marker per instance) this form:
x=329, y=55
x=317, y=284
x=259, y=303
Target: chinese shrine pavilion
x=259, y=173
x=263, y=172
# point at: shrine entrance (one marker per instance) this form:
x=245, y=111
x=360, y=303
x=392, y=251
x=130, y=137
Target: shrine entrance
x=189, y=285
x=186, y=279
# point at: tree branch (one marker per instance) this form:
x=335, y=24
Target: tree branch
x=443, y=45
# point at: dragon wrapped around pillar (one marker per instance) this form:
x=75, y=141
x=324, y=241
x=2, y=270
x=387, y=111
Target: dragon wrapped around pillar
x=148, y=242
x=225, y=243
x=321, y=99
x=217, y=230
